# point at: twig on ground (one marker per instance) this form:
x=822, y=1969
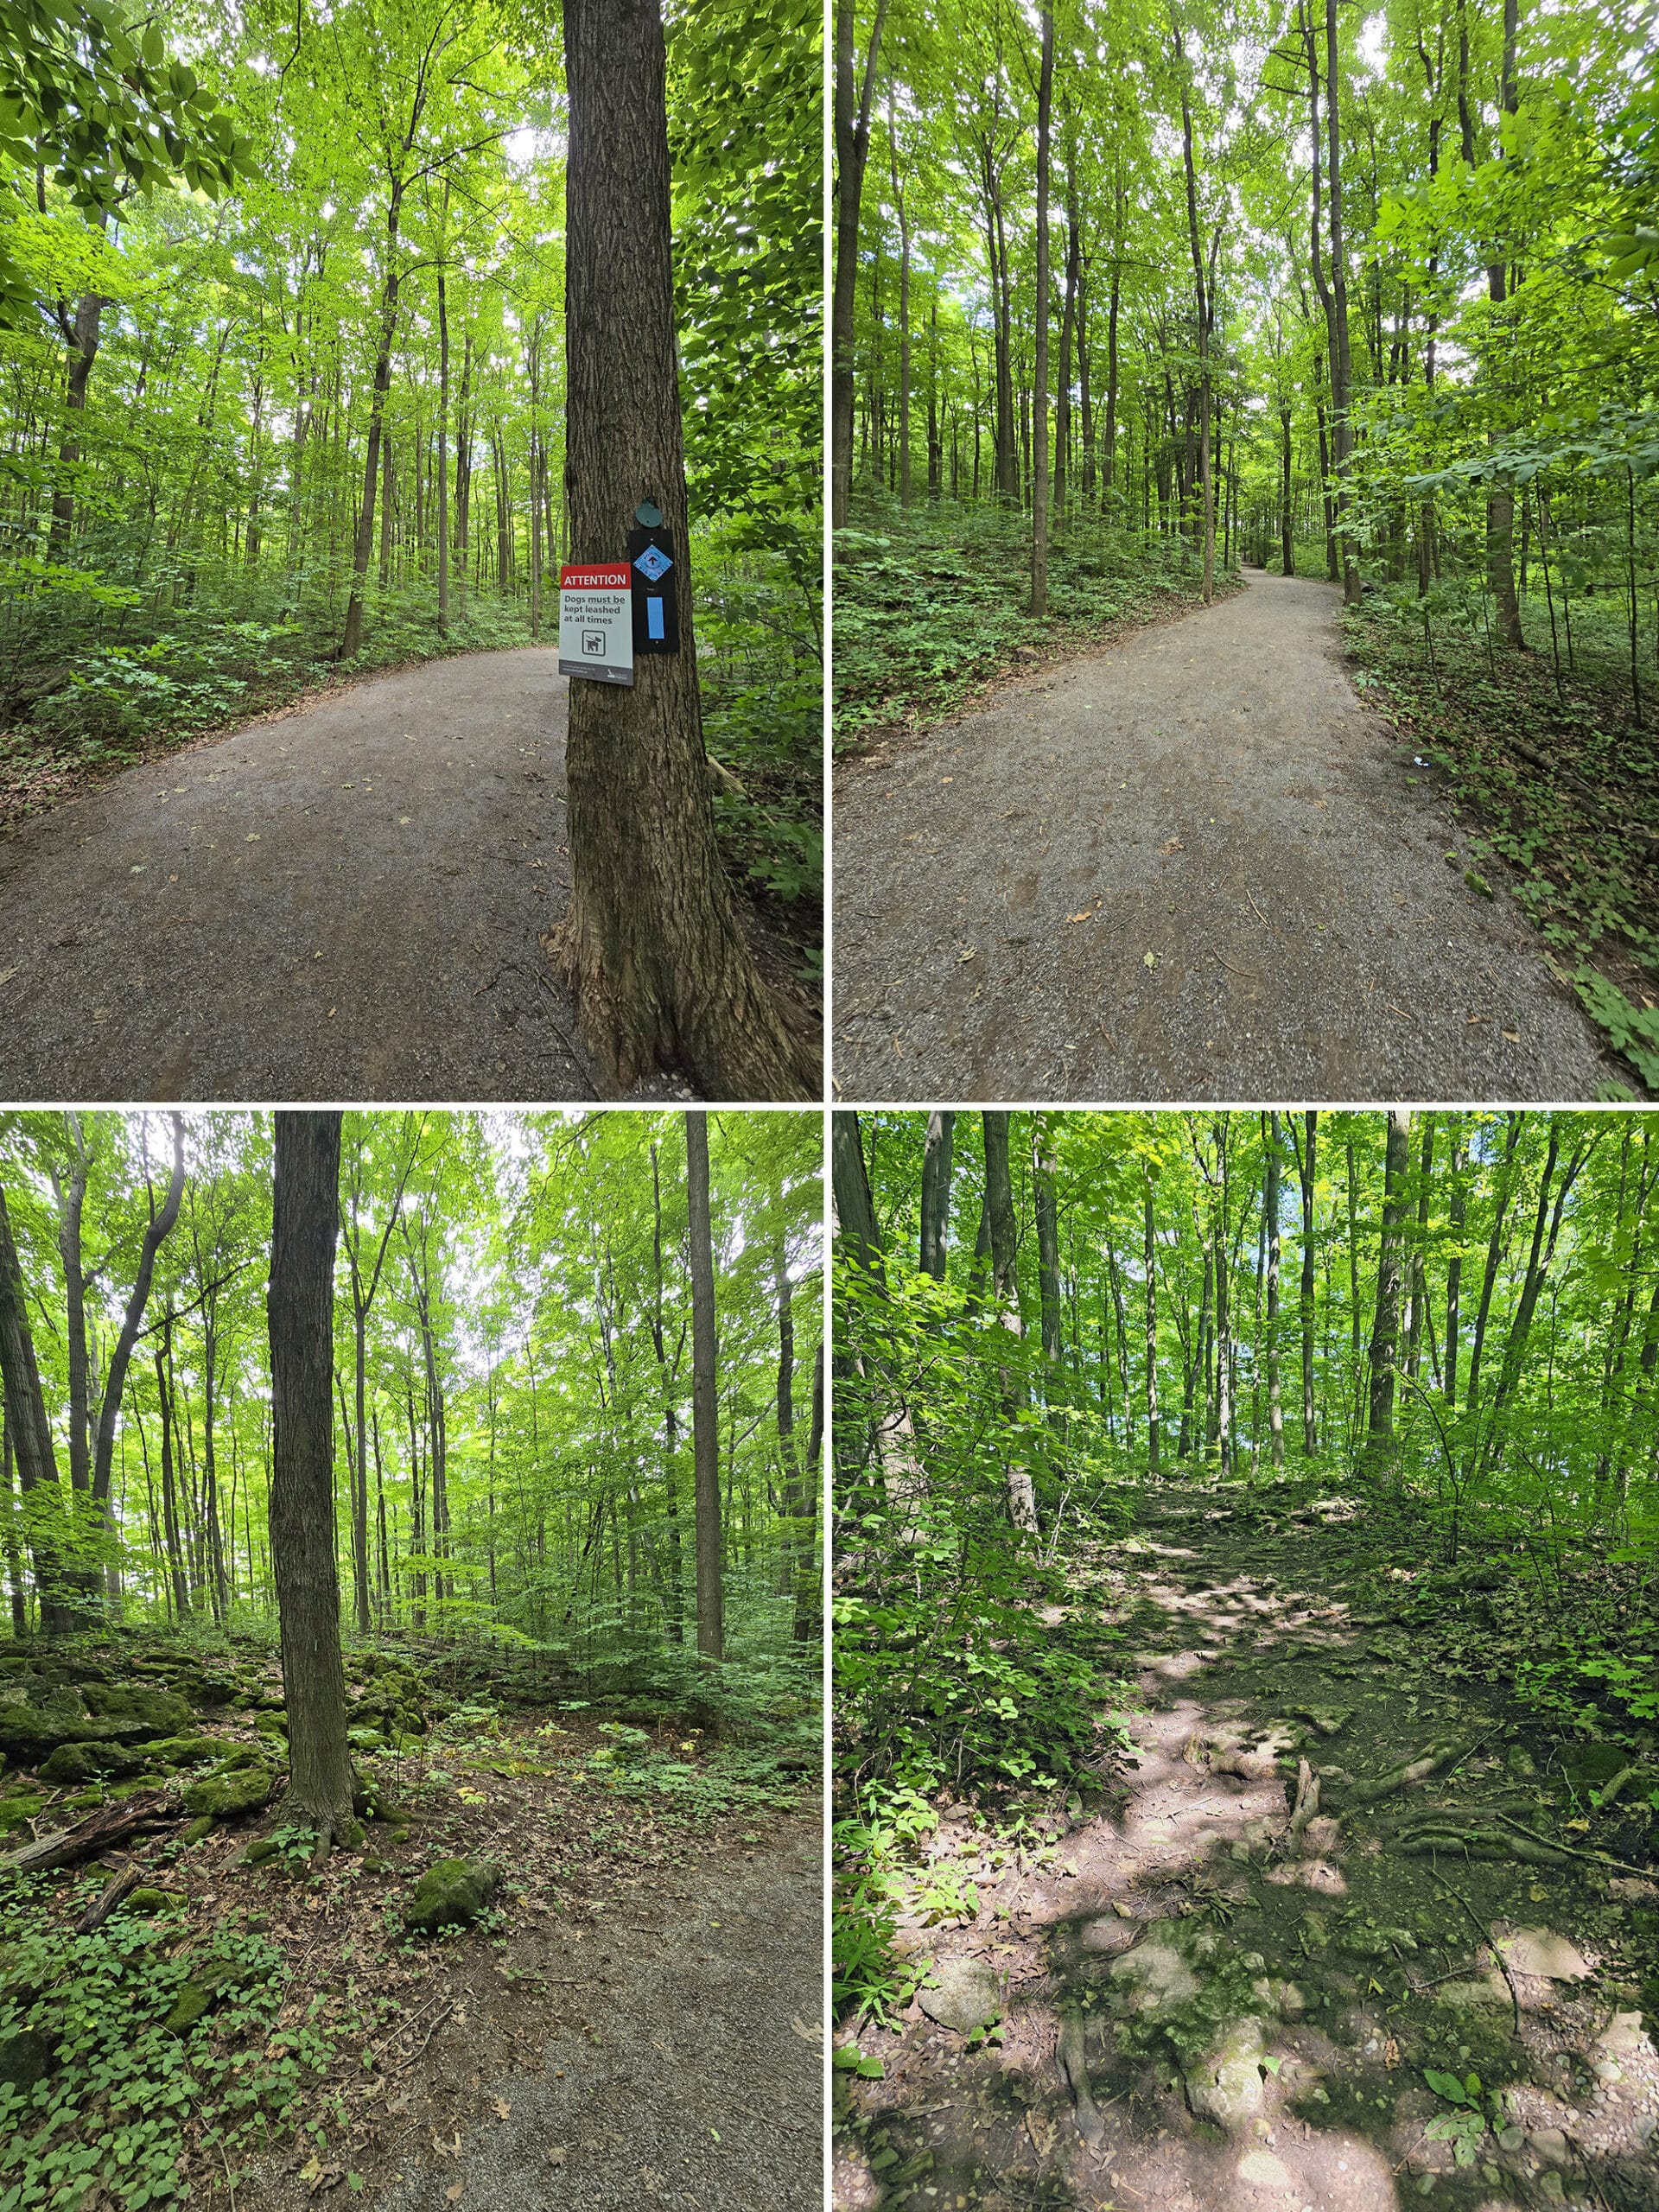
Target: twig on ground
x=1490, y=1939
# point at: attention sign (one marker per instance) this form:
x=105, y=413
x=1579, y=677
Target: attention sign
x=596, y=622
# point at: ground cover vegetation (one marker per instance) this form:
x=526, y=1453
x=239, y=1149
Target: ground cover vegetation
x=1244, y=1526
x=283, y=375
x=1362, y=294
x=437, y=1552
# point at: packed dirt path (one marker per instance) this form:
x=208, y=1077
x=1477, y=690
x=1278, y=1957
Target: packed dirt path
x=1219, y=1996
x=1192, y=867
x=344, y=901
x=676, y=2060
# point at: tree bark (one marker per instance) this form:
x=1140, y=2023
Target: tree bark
x=1039, y=422
x=1271, y=1203
x=1304, y=1170
x=935, y=1192
x=27, y=1428
x=1005, y=1282
x=300, y=1307
x=852, y=128
x=1149, y=1262
x=1385, y=1327
x=161, y=1226
x=649, y=943
x=705, y=1409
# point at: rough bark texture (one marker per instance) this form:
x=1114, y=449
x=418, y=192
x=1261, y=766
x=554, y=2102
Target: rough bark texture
x=160, y=1228
x=935, y=1192
x=999, y=1206
x=852, y=128
x=28, y=1430
x=649, y=943
x=1040, y=425
x=705, y=1407
x=301, y=1309
x=1385, y=1329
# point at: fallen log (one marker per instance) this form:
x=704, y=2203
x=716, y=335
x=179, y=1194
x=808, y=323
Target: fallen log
x=109, y=1824
x=105, y=1904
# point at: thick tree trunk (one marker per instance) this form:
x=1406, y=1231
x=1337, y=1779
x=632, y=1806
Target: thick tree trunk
x=29, y=1430
x=1149, y=1262
x=1385, y=1327
x=352, y=636
x=705, y=1407
x=852, y=128
x=935, y=1192
x=649, y=943
x=1305, y=1167
x=81, y=339
x=1275, y=1411
x=1039, y=424
x=1005, y=1282
x=300, y=1308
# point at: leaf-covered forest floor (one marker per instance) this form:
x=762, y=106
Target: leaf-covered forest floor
x=1194, y=866
x=1556, y=782
x=242, y=2030
x=347, y=900
x=1207, y=1991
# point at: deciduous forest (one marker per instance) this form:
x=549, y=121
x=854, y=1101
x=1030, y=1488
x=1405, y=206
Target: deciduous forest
x=1244, y=1550
x=1127, y=299
x=283, y=373
x=460, y=1514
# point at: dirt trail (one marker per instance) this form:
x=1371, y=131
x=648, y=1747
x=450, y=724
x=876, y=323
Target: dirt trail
x=342, y=903
x=1193, y=867
x=680, y=2067
x=1205, y=2011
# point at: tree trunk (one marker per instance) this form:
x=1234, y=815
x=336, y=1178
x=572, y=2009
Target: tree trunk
x=705, y=1407
x=649, y=943
x=352, y=636
x=852, y=128
x=81, y=339
x=1149, y=1260
x=443, y=447
x=155, y=1234
x=27, y=1428
x=999, y=1206
x=1270, y=1205
x=1385, y=1327
x=1206, y=490
x=1305, y=1169
x=935, y=1192
x=301, y=1311
x=1039, y=422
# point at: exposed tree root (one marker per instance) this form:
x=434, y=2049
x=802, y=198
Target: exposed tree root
x=1480, y=1843
x=1307, y=1799
x=102, y=1905
x=1402, y=1777
x=1072, y=2064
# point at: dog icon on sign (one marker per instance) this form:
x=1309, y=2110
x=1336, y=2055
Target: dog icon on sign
x=593, y=641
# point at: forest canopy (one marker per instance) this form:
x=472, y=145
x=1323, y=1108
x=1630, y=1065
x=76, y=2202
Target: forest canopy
x=513, y=1377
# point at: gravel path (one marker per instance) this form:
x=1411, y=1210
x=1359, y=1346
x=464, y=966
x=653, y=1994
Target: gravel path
x=698, y=2093
x=1192, y=867
x=344, y=902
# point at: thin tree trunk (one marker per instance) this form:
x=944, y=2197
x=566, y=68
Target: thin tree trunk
x=705, y=1407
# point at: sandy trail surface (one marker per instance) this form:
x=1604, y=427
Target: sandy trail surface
x=1206, y=2009
x=343, y=902
x=1193, y=867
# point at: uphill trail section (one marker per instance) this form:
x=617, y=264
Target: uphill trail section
x=345, y=900
x=1335, y=1943
x=1194, y=867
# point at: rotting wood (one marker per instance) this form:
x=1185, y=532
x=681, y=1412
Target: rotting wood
x=108, y=1824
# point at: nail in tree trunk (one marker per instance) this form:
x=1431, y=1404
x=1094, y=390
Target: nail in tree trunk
x=1005, y=1284
x=705, y=1411
x=649, y=944
x=300, y=1308
x=1040, y=425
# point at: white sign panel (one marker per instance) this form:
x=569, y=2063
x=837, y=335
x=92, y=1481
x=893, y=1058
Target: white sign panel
x=597, y=623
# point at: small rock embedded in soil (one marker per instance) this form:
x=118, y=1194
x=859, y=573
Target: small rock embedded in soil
x=452, y=1894
x=969, y=1996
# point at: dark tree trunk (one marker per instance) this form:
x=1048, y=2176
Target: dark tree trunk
x=26, y=1425
x=649, y=943
x=705, y=1409
x=1005, y=1282
x=935, y=1192
x=852, y=128
x=1305, y=1166
x=1385, y=1327
x=300, y=1310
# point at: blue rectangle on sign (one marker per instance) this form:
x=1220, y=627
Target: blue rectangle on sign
x=654, y=617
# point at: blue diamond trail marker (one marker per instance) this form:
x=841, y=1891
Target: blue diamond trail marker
x=654, y=563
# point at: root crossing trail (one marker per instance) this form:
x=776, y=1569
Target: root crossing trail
x=1192, y=867
x=344, y=902
x=1216, y=1999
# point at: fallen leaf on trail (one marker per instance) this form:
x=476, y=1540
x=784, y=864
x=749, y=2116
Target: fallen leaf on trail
x=808, y=2031
x=1174, y=845
x=6, y=975
x=947, y=779
x=1472, y=1020
x=968, y=953
x=1086, y=915
x=253, y=837
x=139, y=870
x=1042, y=2132
x=502, y=2107
x=1149, y=960
x=453, y=2194
x=405, y=817
x=1514, y=1036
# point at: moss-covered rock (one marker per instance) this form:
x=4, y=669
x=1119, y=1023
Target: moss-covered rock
x=452, y=1894
x=146, y=1899
x=223, y=1796
x=75, y=1763
x=185, y=1750
x=28, y=1735
x=15, y=1810
x=261, y=1848
x=138, y=1711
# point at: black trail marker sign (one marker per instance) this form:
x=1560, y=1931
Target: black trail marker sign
x=597, y=623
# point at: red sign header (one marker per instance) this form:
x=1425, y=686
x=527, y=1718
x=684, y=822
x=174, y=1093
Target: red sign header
x=612, y=576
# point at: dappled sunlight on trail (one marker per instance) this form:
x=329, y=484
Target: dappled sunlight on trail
x=1223, y=1986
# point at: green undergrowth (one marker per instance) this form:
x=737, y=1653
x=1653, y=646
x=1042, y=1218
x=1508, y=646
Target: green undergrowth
x=105, y=2086
x=1559, y=785
x=931, y=601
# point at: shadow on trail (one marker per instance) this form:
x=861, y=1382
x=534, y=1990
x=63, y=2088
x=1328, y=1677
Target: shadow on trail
x=1221, y=1993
